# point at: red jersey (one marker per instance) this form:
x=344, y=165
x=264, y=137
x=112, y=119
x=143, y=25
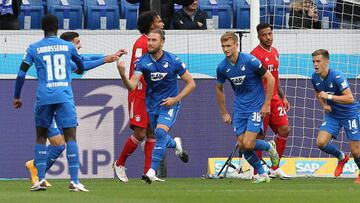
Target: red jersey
x=139, y=48
x=270, y=61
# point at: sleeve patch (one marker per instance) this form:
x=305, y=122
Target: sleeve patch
x=138, y=52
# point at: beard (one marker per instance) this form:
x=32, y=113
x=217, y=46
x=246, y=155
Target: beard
x=154, y=51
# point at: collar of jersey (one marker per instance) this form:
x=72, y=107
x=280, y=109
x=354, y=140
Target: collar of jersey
x=152, y=58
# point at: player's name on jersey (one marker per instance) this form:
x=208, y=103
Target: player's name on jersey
x=57, y=84
x=53, y=48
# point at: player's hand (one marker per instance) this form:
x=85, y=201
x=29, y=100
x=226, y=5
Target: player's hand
x=170, y=101
x=286, y=104
x=17, y=103
x=265, y=110
x=121, y=52
x=111, y=58
x=121, y=67
x=226, y=118
x=323, y=95
x=327, y=108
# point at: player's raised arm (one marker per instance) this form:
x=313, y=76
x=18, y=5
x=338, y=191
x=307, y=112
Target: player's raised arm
x=129, y=83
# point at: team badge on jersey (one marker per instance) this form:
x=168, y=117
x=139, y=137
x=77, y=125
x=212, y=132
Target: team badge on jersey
x=331, y=85
x=165, y=64
x=243, y=68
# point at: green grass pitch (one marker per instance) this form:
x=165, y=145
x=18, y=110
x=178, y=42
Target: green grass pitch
x=305, y=190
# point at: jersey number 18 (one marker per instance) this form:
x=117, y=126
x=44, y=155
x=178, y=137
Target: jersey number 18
x=58, y=71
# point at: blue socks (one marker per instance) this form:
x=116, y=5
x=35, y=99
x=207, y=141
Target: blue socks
x=262, y=145
x=170, y=142
x=53, y=152
x=159, y=148
x=72, y=154
x=40, y=160
x=254, y=161
x=333, y=150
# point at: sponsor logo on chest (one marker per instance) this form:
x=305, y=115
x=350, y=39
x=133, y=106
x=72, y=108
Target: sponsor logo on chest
x=156, y=76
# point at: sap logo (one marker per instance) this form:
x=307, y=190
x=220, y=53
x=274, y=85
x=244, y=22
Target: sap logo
x=350, y=168
x=157, y=76
x=238, y=80
x=308, y=167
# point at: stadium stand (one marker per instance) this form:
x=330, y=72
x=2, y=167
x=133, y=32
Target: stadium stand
x=31, y=14
x=221, y=9
x=241, y=9
x=101, y=14
x=69, y=12
x=130, y=13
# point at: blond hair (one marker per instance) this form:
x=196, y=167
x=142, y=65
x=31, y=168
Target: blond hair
x=229, y=35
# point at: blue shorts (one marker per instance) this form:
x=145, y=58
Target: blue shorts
x=333, y=125
x=53, y=130
x=165, y=116
x=243, y=122
x=65, y=115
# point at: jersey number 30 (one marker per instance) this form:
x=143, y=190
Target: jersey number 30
x=58, y=71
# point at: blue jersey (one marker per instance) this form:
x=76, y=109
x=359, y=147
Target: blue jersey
x=160, y=76
x=52, y=58
x=246, y=83
x=335, y=83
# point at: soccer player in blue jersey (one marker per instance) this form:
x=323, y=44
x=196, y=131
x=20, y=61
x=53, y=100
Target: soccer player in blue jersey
x=52, y=57
x=55, y=135
x=341, y=110
x=245, y=74
x=160, y=69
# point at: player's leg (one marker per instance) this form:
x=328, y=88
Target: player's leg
x=138, y=122
x=162, y=122
x=66, y=118
x=351, y=127
x=57, y=145
x=43, y=117
x=148, y=149
x=355, y=151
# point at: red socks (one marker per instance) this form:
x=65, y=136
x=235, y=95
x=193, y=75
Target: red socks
x=129, y=147
x=280, y=147
x=149, y=146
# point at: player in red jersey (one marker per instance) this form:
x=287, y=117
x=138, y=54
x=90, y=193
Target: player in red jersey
x=277, y=120
x=139, y=120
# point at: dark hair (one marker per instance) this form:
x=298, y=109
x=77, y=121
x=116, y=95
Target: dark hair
x=322, y=52
x=50, y=23
x=262, y=26
x=160, y=32
x=69, y=36
x=145, y=20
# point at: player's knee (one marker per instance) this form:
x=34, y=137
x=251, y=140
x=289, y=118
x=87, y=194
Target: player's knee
x=140, y=134
x=284, y=131
x=321, y=144
x=248, y=145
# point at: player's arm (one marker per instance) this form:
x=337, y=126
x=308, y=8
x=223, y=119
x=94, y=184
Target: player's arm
x=20, y=80
x=77, y=59
x=281, y=94
x=270, y=83
x=346, y=97
x=220, y=95
x=189, y=87
x=129, y=83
